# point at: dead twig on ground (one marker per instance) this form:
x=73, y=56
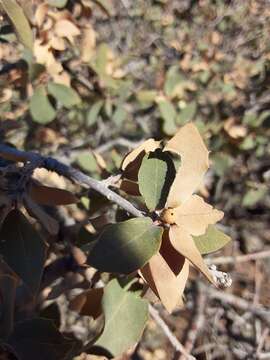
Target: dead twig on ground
x=240, y=258
x=171, y=337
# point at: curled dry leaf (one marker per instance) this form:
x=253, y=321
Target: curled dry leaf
x=66, y=29
x=132, y=162
x=234, y=130
x=146, y=147
x=194, y=163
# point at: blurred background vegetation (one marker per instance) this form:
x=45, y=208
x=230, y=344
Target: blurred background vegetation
x=107, y=74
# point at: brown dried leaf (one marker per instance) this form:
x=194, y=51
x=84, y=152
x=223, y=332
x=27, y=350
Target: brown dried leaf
x=88, y=43
x=49, y=223
x=88, y=303
x=147, y=146
x=194, y=163
x=183, y=242
x=132, y=161
x=45, y=57
x=194, y=215
x=234, y=130
x=130, y=187
x=163, y=282
x=41, y=14
x=57, y=43
x=66, y=29
x=45, y=195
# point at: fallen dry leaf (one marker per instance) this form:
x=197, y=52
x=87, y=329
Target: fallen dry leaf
x=233, y=130
x=88, y=43
x=66, y=29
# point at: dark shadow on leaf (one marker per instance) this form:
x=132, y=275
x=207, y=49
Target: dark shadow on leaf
x=170, y=175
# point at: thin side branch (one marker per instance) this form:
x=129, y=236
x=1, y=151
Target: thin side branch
x=70, y=173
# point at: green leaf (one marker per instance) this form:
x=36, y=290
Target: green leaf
x=120, y=115
x=20, y=22
x=168, y=114
x=125, y=318
x=22, y=249
x=87, y=162
x=152, y=177
x=39, y=339
x=253, y=196
x=41, y=109
x=126, y=246
x=211, y=241
x=187, y=114
x=58, y=3
x=222, y=163
x=92, y=114
x=173, y=79
x=64, y=94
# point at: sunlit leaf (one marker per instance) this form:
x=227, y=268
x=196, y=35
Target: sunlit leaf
x=187, y=114
x=183, y=242
x=126, y=315
x=87, y=162
x=164, y=282
x=92, y=114
x=20, y=22
x=152, y=177
x=126, y=246
x=22, y=249
x=64, y=94
x=168, y=114
x=194, y=163
x=211, y=241
x=41, y=109
x=253, y=196
x=194, y=215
